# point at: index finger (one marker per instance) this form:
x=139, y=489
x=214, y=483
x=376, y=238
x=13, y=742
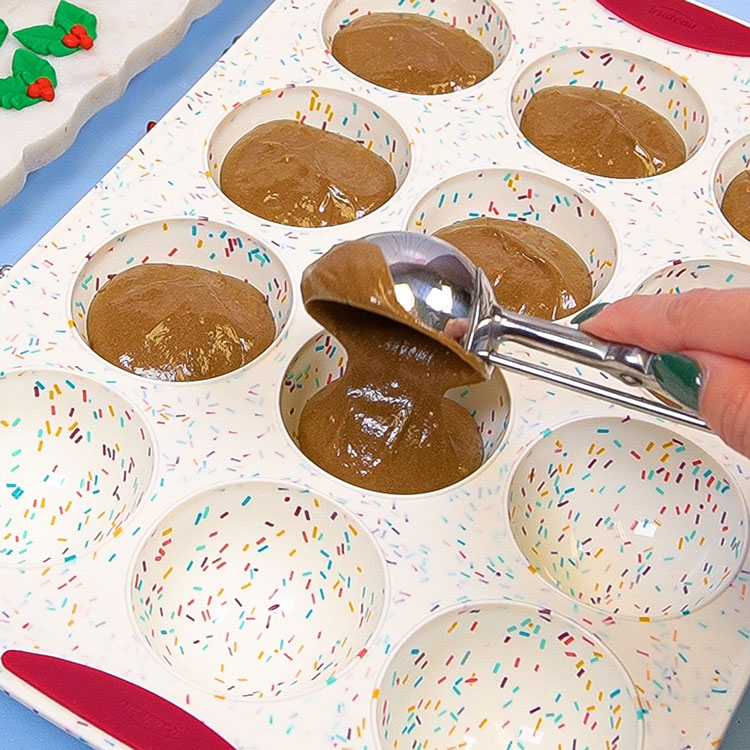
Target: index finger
x=703, y=319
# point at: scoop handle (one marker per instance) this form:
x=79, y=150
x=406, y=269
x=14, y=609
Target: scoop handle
x=127, y=712
x=595, y=390
x=630, y=364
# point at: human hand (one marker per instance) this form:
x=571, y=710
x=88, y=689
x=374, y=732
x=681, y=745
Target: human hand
x=710, y=330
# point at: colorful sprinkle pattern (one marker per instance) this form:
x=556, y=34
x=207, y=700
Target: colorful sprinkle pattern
x=77, y=461
x=627, y=517
x=505, y=675
x=258, y=590
x=707, y=273
x=519, y=195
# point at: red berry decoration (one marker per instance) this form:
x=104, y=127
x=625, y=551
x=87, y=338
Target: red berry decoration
x=41, y=89
x=71, y=40
x=33, y=80
x=48, y=91
x=82, y=35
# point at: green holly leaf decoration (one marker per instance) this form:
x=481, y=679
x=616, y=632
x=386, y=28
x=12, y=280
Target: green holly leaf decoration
x=27, y=70
x=68, y=15
x=3, y=31
x=21, y=101
x=44, y=40
x=28, y=67
x=13, y=94
x=10, y=85
x=59, y=39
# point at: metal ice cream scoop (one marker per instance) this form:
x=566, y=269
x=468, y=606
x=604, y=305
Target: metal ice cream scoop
x=444, y=291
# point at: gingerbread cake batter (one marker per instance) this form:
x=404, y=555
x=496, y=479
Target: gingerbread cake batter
x=412, y=53
x=295, y=174
x=602, y=132
x=174, y=322
x=736, y=203
x=531, y=270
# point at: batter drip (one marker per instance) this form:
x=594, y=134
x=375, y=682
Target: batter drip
x=602, y=132
x=531, y=270
x=292, y=173
x=173, y=322
x=736, y=203
x=385, y=425
x=412, y=53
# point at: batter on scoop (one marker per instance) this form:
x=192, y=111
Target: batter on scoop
x=385, y=425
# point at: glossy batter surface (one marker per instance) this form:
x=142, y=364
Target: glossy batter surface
x=295, y=174
x=531, y=270
x=602, y=132
x=736, y=203
x=412, y=53
x=386, y=424
x=172, y=322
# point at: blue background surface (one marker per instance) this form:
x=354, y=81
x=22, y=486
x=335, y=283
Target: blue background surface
x=100, y=144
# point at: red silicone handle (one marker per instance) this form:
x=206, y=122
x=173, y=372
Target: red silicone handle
x=128, y=713
x=685, y=23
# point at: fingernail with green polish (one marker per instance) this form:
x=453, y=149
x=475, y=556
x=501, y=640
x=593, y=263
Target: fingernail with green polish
x=589, y=312
x=680, y=377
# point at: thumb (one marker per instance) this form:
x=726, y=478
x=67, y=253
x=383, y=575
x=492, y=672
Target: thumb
x=725, y=397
